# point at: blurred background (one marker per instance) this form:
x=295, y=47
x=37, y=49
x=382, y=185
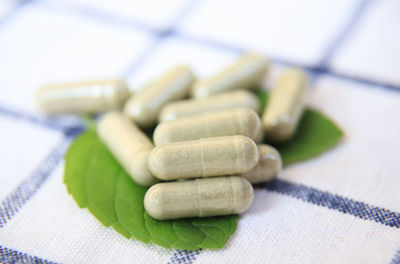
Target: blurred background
x=65, y=40
x=351, y=48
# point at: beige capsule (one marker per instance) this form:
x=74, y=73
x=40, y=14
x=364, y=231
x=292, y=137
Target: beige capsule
x=199, y=198
x=246, y=73
x=129, y=145
x=203, y=158
x=259, y=137
x=228, y=122
x=145, y=106
x=83, y=97
x=285, y=105
x=183, y=108
x=268, y=167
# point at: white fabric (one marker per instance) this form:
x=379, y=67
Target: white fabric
x=277, y=28
x=23, y=147
x=372, y=50
x=53, y=227
x=278, y=229
x=366, y=160
x=6, y=7
x=159, y=14
x=39, y=45
x=341, y=207
x=204, y=60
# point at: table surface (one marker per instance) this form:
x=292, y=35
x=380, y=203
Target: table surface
x=341, y=207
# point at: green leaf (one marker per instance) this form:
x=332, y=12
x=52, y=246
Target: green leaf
x=96, y=181
x=315, y=135
x=99, y=183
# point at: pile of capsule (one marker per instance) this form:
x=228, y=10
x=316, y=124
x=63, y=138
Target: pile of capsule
x=205, y=148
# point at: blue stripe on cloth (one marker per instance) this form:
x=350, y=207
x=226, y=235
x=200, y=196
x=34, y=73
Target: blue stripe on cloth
x=142, y=58
x=69, y=130
x=315, y=70
x=396, y=258
x=138, y=25
x=8, y=256
x=129, y=23
x=304, y=193
x=368, y=83
x=184, y=12
x=100, y=16
x=184, y=256
x=347, y=29
x=336, y=202
x=16, y=199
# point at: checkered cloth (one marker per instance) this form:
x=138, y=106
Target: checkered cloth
x=341, y=207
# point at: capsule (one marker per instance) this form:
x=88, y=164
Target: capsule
x=84, y=97
x=285, y=105
x=129, y=145
x=199, y=198
x=203, y=158
x=259, y=137
x=246, y=73
x=229, y=122
x=268, y=167
x=183, y=108
x=144, y=107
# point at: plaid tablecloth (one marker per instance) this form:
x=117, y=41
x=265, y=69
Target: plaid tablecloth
x=341, y=207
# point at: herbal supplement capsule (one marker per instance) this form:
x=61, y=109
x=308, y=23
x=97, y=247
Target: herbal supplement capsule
x=229, y=122
x=246, y=73
x=199, y=198
x=285, y=105
x=268, y=167
x=259, y=137
x=83, y=97
x=203, y=158
x=129, y=145
x=178, y=109
x=144, y=107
